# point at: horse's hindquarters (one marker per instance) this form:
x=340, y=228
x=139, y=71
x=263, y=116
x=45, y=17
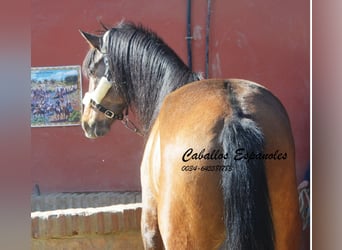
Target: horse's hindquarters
x=186, y=178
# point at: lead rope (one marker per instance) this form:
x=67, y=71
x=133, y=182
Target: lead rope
x=131, y=126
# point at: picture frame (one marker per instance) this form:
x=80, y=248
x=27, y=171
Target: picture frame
x=56, y=96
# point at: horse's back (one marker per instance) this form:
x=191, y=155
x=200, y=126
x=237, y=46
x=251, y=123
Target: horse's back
x=189, y=177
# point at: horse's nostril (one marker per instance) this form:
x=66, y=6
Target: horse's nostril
x=87, y=127
x=88, y=130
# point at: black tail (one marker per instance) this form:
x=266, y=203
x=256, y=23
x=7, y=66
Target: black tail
x=247, y=212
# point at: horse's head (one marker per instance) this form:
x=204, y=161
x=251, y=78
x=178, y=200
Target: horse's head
x=104, y=102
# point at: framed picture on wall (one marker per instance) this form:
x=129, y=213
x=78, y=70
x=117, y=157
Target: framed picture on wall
x=56, y=96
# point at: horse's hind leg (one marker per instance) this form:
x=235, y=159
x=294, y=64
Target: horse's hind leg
x=149, y=179
x=149, y=225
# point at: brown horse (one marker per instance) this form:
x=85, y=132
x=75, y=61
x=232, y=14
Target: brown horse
x=218, y=171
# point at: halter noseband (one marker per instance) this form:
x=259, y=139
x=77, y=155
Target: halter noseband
x=107, y=112
x=95, y=98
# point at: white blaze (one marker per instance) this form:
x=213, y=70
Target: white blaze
x=104, y=85
x=86, y=98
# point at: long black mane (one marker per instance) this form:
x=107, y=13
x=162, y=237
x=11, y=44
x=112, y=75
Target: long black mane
x=144, y=67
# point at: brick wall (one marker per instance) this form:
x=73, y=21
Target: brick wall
x=85, y=224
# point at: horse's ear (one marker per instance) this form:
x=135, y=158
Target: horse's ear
x=103, y=26
x=93, y=40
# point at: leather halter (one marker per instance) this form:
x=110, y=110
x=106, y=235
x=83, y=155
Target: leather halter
x=123, y=116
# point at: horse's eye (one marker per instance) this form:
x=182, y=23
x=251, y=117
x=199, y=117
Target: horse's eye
x=91, y=72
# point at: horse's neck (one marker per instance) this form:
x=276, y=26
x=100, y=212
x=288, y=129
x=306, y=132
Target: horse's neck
x=148, y=104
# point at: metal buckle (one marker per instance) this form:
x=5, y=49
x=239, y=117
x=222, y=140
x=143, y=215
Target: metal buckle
x=109, y=114
x=93, y=103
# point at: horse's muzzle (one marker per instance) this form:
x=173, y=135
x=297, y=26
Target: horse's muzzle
x=94, y=130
